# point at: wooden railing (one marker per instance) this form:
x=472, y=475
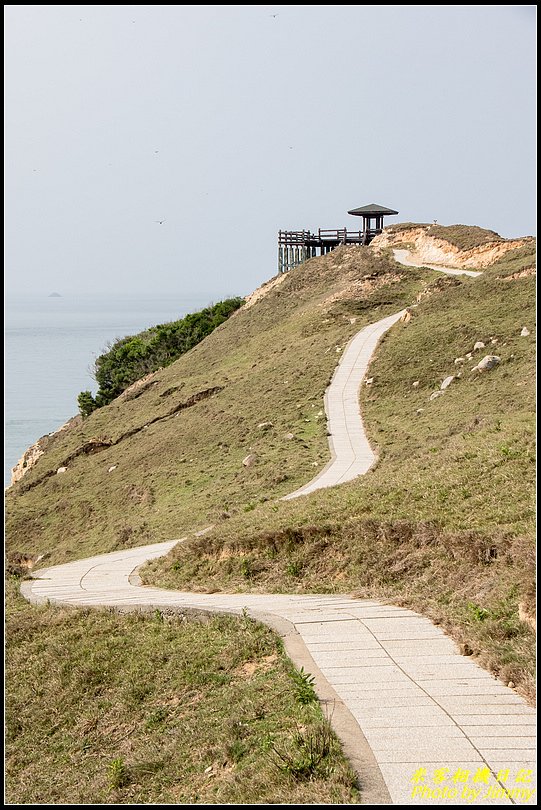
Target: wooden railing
x=296, y=247
x=338, y=236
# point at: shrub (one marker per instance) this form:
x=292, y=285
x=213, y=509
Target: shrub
x=131, y=358
x=86, y=403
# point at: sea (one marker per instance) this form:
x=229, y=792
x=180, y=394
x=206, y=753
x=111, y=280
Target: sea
x=50, y=344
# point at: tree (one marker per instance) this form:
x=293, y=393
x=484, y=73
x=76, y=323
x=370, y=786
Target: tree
x=86, y=403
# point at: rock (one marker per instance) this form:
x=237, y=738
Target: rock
x=112, y=468
x=290, y=436
x=61, y=470
x=416, y=384
x=458, y=361
x=525, y=332
x=447, y=382
x=419, y=410
x=435, y=394
x=511, y=685
x=494, y=341
x=338, y=349
x=369, y=381
x=479, y=345
x=406, y=317
x=353, y=320
x=250, y=460
x=265, y=425
x=468, y=356
x=488, y=362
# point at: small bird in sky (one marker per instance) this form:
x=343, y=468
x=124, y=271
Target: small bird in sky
x=159, y=221
x=273, y=15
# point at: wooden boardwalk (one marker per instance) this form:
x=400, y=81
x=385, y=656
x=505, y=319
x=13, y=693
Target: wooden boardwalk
x=295, y=247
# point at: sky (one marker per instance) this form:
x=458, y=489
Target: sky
x=161, y=148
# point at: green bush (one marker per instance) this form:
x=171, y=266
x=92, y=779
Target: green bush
x=86, y=403
x=132, y=357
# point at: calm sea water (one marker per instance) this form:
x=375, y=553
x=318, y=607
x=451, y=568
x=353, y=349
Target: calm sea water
x=50, y=346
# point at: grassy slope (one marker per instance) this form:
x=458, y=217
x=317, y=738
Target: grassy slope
x=273, y=362
x=106, y=726
x=445, y=522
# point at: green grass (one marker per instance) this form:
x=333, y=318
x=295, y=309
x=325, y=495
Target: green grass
x=103, y=708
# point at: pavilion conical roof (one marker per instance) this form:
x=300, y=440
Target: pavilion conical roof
x=372, y=209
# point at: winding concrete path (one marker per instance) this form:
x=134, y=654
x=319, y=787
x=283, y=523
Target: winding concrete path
x=420, y=723
x=400, y=695
x=351, y=454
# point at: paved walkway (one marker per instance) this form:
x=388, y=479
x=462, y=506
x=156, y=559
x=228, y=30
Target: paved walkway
x=402, y=696
x=351, y=454
x=404, y=257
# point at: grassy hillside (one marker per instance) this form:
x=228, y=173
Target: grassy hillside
x=443, y=523
x=170, y=460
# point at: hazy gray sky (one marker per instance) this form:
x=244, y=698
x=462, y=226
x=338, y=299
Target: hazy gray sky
x=230, y=122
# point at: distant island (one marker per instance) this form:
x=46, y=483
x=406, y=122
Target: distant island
x=55, y=295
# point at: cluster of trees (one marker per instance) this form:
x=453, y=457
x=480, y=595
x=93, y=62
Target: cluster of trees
x=132, y=357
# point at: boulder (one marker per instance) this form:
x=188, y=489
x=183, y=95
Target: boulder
x=61, y=470
x=265, y=425
x=447, y=382
x=478, y=345
x=406, y=317
x=525, y=332
x=250, y=460
x=435, y=394
x=488, y=362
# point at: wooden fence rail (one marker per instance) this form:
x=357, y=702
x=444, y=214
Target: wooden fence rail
x=296, y=247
